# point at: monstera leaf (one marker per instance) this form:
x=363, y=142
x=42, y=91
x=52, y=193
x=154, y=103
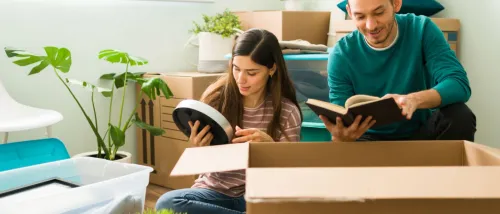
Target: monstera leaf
x=117, y=135
x=152, y=87
x=104, y=91
x=116, y=56
x=59, y=58
x=120, y=78
x=155, y=131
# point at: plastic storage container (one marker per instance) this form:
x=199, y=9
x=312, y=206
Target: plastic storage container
x=309, y=75
x=102, y=187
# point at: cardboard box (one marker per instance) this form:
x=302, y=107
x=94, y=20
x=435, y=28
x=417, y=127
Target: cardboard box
x=346, y=178
x=312, y=26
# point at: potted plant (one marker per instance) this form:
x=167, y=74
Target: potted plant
x=215, y=39
x=109, y=144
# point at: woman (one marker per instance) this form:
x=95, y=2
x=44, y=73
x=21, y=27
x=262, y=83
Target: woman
x=258, y=99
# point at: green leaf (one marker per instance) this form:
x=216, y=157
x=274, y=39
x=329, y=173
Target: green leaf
x=104, y=91
x=153, y=86
x=120, y=78
x=153, y=130
x=117, y=135
x=13, y=52
x=116, y=56
x=37, y=69
x=225, y=24
x=26, y=58
x=28, y=61
x=109, y=76
x=59, y=58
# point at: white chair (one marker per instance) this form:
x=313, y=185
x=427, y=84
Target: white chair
x=15, y=116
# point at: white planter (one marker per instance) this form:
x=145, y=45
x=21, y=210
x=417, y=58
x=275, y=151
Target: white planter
x=212, y=49
x=122, y=156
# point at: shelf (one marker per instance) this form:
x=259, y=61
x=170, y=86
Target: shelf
x=301, y=57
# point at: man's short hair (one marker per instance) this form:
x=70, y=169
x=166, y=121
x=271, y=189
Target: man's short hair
x=392, y=1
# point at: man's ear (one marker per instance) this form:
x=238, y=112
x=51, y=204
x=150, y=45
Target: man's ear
x=348, y=9
x=397, y=5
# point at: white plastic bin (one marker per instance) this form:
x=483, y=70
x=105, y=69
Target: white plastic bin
x=103, y=187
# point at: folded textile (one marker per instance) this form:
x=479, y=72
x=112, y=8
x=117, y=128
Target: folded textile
x=298, y=51
x=302, y=45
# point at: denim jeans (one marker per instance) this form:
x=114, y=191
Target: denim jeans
x=200, y=201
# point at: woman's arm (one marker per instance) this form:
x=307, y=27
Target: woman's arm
x=293, y=124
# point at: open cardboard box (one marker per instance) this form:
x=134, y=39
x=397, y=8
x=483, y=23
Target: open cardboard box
x=355, y=178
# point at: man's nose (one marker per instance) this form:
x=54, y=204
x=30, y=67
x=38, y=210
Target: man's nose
x=371, y=24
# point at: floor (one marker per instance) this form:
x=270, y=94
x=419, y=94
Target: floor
x=153, y=192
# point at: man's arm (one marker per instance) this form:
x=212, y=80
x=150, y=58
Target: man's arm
x=340, y=87
x=450, y=78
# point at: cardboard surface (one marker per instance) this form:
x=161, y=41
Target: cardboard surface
x=197, y=160
x=162, y=152
x=364, y=184
x=360, y=177
x=312, y=26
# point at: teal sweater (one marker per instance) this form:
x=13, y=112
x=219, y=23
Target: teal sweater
x=420, y=59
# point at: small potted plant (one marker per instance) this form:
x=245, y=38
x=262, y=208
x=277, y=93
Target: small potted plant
x=109, y=143
x=215, y=39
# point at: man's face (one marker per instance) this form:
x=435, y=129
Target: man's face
x=375, y=19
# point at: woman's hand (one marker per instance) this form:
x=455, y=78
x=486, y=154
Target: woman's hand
x=200, y=139
x=251, y=135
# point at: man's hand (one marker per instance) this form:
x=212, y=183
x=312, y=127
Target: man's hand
x=251, y=135
x=408, y=103
x=340, y=133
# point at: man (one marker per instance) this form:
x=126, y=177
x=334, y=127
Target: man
x=405, y=57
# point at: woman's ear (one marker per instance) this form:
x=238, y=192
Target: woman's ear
x=272, y=70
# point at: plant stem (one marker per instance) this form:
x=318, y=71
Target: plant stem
x=133, y=112
x=99, y=139
x=96, y=123
x=123, y=96
x=110, y=108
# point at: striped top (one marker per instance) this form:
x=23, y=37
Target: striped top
x=232, y=183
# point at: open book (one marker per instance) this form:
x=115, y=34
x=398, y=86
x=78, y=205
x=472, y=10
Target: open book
x=384, y=111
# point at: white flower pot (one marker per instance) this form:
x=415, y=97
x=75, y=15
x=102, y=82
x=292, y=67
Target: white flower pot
x=212, y=51
x=121, y=156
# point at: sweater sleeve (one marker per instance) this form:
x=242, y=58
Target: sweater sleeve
x=340, y=86
x=450, y=78
x=292, y=125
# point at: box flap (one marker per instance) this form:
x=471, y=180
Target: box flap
x=218, y=158
x=481, y=155
x=371, y=183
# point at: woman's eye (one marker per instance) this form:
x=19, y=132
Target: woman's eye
x=251, y=74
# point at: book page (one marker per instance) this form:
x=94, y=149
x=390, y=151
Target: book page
x=360, y=99
x=327, y=105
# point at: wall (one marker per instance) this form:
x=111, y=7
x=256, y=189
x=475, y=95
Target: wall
x=479, y=55
x=155, y=30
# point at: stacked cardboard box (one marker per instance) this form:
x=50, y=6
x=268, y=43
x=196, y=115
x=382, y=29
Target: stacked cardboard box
x=311, y=26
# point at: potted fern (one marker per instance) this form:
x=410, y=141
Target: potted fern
x=109, y=143
x=215, y=39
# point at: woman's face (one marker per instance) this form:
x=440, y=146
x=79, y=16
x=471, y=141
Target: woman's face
x=250, y=77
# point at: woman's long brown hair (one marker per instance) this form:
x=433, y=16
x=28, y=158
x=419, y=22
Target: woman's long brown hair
x=264, y=49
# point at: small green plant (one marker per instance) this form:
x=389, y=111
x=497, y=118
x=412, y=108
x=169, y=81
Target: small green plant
x=60, y=60
x=225, y=24
x=163, y=211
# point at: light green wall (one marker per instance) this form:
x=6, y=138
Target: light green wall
x=479, y=53
x=154, y=30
